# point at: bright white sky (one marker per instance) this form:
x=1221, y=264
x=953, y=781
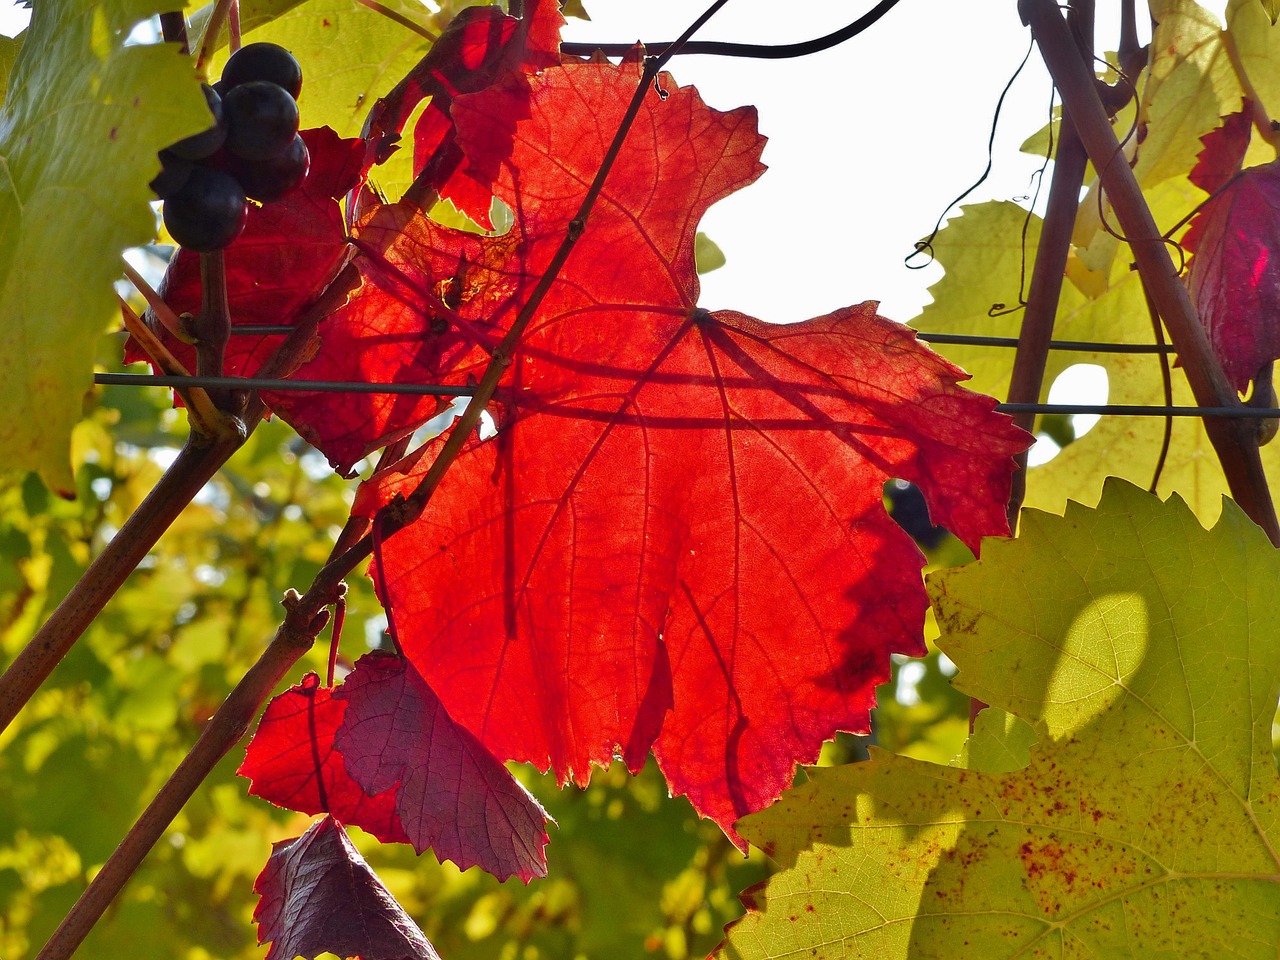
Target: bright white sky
x=868, y=142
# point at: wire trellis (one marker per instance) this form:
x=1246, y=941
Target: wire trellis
x=448, y=390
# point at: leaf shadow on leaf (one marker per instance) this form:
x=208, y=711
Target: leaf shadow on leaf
x=1143, y=651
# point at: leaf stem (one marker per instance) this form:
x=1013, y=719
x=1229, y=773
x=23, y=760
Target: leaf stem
x=151, y=345
x=164, y=313
x=404, y=21
x=173, y=27
x=303, y=621
x=212, y=327
x=1234, y=440
x=1261, y=119
x=209, y=39
x=233, y=26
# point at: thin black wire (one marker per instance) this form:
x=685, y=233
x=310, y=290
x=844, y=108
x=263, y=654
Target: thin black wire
x=751, y=51
x=1139, y=410
x=447, y=390
x=964, y=339
x=1080, y=346
x=263, y=383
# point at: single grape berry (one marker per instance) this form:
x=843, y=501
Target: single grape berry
x=173, y=174
x=208, y=212
x=262, y=120
x=206, y=143
x=274, y=178
x=263, y=61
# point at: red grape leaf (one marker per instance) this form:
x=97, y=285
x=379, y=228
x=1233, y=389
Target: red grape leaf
x=451, y=794
x=432, y=294
x=287, y=253
x=694, y=555
x=318, y=895
x=382, y=335
x=1224, y=150
x=292, y=763
x=479, y=46
x=678, y=538
x=1234, y=277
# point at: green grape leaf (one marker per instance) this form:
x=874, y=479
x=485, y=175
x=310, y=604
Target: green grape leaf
x=982, y=252
x=9, y=47
x=707, y=254
x=1188, y=86
x=1250, y=22
x=350, y=56
x=1142, y=653
x=79, y=131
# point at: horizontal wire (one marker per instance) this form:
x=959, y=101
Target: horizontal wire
x=1082, y=346
x=963, y=339
x=446, y=390
x=262, y=383
x=1140, y=410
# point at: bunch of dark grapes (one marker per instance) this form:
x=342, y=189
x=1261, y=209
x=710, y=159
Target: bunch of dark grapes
x=252, y=152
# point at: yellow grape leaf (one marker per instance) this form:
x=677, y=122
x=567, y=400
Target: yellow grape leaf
x=1142, y=653
x=1186, y=89
x=982, y=252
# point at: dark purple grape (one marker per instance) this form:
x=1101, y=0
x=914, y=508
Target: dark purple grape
x=263, y=61
x=273, y=179
x=206, y=143
x=173, y=174
x=262, y=120
x=208, y=212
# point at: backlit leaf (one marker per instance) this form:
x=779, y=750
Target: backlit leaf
x=350, y=55
x=1143, y=651
x=450, y=792
x=319, y=896
x=9, y=47
x=1235, y=273
x=478, y=48
x=633, y=561
x=1224, y=150
x=293, y=763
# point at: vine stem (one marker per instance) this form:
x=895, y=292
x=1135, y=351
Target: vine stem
x=1043, y=293
x=1031, y=358
x=1234, y=439
x=294, y=637
x=199, y=459
x=748, y=51
x=1032, y=354
x=212, y=327
x=196, y=463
